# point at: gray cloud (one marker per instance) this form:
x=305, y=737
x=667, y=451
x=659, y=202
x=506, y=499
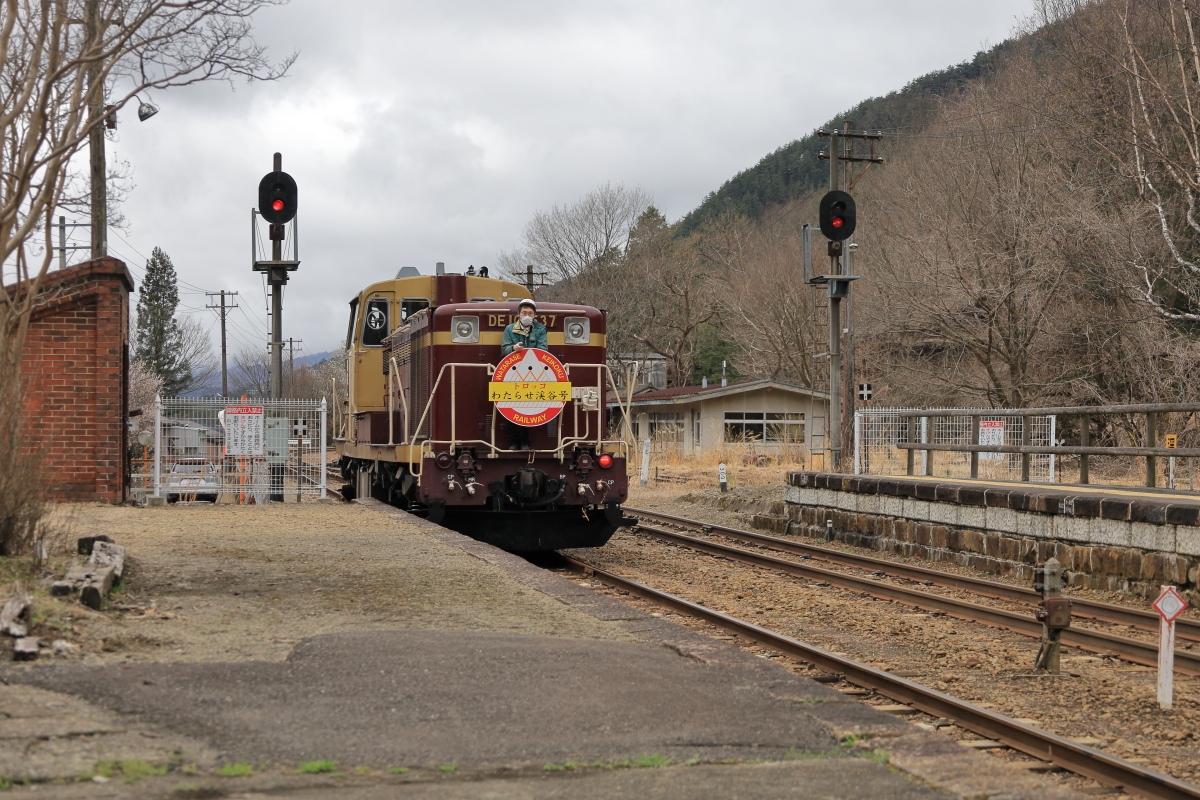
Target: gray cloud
x=421, y=132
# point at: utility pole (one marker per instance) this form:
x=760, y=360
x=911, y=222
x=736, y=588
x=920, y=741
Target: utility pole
x=62, y=240
x=292, y=358
x=529, y=276
x=93, y=26
x=841, y=379
x=223, y=310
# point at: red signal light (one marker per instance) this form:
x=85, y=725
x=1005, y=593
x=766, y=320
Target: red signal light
x=605, y=460
x=277, y=205
x=836, y=222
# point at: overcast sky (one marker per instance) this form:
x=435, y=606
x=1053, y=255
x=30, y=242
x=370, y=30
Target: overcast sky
x=425, y=132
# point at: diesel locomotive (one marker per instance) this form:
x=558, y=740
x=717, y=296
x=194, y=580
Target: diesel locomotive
x=423, y=425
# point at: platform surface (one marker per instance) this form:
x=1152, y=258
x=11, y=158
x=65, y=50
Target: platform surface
x=657, y=712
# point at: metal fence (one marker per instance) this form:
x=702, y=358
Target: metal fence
x=879, y=432
x=232, y=450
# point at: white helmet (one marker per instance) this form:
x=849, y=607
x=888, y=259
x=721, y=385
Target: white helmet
x=528, y=301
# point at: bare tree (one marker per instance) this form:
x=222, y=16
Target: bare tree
x=676, y=293
x=567, y=241
x=252, y=372
x=1130, y=69
x=997, y=261
x=197, y=352
x=65, y=66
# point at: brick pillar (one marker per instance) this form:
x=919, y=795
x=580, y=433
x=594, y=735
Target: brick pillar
x=75, y=368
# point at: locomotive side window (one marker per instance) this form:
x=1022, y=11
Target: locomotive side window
x=410, y=306
x=375, y=322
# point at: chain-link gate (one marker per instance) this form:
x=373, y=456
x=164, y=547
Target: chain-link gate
x=235, y=451
x=878, y=431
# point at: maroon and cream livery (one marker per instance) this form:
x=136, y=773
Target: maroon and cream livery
x=427, y=430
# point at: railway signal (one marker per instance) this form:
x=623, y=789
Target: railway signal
x=837, y=215
x=277, y=197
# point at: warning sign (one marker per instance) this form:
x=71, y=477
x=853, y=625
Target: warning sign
x=530, y=387
x=243, y=430
x=991, y=433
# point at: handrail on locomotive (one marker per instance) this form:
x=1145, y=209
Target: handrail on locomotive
x=428, y=446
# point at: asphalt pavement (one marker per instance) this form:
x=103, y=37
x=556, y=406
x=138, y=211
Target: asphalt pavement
x=480, y=714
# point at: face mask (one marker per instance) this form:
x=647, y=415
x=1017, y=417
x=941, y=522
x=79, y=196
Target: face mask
x=526, y=322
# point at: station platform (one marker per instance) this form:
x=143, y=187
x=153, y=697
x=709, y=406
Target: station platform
x=567, y=693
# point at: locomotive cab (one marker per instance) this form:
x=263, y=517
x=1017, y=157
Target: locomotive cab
x=433, y=403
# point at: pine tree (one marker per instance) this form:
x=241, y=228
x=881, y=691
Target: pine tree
x=158, y=339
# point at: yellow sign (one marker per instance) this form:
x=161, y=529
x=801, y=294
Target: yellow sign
x=508, y=391
x=1172, y=439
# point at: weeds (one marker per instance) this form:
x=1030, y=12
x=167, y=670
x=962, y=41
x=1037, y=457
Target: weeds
x=128, y=769
x=451, y=767
x=652, y=760
x=238, y=769
x=315, y=767
x=398, y=770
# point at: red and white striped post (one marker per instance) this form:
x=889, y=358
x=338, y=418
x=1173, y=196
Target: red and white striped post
x=1169, y=606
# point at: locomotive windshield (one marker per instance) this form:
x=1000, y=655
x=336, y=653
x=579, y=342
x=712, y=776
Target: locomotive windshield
x=375, y=322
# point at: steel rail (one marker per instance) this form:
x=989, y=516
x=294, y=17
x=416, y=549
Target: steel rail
x=1090, y=609
x=1077, y=758
x=1143, y=653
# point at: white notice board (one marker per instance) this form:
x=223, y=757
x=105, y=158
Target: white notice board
x=991, y=433
x=243, y=430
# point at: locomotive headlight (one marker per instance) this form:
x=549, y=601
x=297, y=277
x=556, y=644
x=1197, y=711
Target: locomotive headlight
x=464, y=330
x=444, y=460
x=577, y=330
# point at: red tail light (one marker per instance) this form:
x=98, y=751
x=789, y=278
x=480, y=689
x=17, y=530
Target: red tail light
x=605, y=460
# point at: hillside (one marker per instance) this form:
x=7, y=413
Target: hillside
x=794, y=169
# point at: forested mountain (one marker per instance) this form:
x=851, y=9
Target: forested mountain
x=1029, y=241
x=794, y=169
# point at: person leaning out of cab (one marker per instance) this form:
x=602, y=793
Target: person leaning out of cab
x=526, y=332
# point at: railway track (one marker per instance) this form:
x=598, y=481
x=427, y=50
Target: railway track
x=1133, y=650
x=1060, y=751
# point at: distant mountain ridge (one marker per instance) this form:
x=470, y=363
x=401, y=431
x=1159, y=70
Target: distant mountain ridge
x=794, y=169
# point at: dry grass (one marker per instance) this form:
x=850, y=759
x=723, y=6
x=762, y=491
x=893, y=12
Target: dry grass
x=745, y=465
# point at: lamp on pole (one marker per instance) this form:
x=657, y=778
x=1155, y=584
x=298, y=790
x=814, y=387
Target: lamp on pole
x=99, y=184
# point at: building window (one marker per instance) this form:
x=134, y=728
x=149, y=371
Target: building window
x=785, y=428
x=770, y=427
x=666, y=427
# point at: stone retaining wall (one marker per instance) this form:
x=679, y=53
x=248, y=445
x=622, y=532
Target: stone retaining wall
x=1108, y=542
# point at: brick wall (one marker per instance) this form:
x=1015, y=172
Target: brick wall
x=74, y=369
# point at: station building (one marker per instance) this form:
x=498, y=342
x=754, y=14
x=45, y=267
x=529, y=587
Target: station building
x=765, y=414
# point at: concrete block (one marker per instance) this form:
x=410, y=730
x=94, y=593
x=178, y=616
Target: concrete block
x=943, y=513
x=1000, y=520
x=891, y=506
x=973, y=517
x=1111, y=532
x=869, y=503
x=1071, y=529
x=1147, y=536
x=1033, y=524
x=916, y=509
x=792, y=495
x=1187, y=540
